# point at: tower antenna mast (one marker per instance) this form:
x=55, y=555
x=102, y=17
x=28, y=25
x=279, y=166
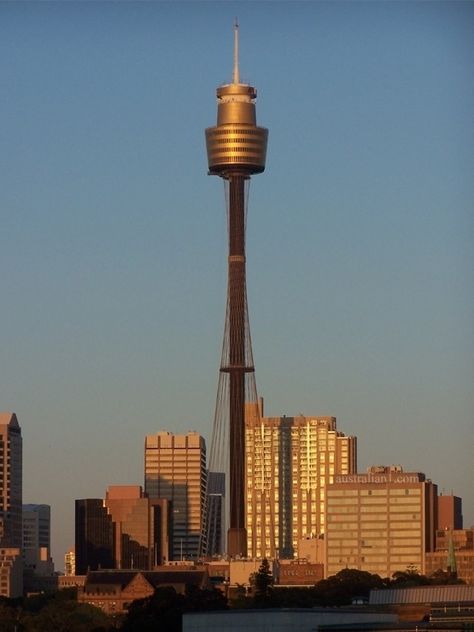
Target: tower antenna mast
x=235, y=76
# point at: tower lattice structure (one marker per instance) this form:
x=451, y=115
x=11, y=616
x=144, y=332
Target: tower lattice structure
x=236, y=149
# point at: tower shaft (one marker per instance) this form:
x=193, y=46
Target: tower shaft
x=237, y=544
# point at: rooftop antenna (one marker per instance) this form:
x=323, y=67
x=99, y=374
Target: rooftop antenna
x=235, y=77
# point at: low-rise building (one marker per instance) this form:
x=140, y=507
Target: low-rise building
x=11, y=572
x=277, y=620
x=113, y=591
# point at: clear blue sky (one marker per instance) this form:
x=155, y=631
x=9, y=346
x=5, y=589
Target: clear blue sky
x=113, y=238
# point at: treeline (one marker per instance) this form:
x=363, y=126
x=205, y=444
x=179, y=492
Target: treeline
x=60, y=612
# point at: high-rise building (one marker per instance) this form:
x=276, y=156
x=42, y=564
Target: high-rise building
x=141, y=527
x=290, y=461
x=127, y=530
x=10, y=481
x=175, y=470
x=11, y=566
x=94, y=536
x=236, y=149
x=449, y=512
x=36, y=550
x=382, y=521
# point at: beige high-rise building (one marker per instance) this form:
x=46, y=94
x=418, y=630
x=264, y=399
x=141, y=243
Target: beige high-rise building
x=382, y=521
x=290, y=461
x=175, y=469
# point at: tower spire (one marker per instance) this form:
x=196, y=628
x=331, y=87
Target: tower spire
x=235, y=75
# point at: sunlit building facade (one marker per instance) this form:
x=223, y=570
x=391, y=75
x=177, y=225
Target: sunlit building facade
x=70, y=563
x=175, y=469
x=381, y=521
x=290, y=461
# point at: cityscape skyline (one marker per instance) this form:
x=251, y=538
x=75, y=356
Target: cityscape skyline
x=361, y=300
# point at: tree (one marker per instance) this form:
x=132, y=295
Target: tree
x=408, y=578
x=164, y=609
x=262, y=583
x=340, y=589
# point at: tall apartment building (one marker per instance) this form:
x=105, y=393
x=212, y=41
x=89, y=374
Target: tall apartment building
x=382, y=521
x=175, y=469
x=11, y=575
x=36, y=550
x=290, y=461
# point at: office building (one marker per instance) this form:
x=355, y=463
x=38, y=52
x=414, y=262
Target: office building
x=175, y=470
x=290, y=461
x=126, y=530
x=36, y=549
x=94, y=536
x=449, y=512
x=141, y=527
x=11, y=566
x=382, y=521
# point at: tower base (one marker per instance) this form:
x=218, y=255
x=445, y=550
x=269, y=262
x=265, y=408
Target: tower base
x=237, y=542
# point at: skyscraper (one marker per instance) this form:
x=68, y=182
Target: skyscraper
x=175, y=469
x=290, y=461
x=236, y=149
x=11, y=567
x=10, y=481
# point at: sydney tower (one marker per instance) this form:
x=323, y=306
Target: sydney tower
x=236, y=149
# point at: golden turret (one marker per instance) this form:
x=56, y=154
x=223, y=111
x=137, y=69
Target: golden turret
x=236, y=144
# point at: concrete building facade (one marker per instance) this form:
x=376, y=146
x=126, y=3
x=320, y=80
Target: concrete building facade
x=382, y=521
x=175, y=469
x=290, y=461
